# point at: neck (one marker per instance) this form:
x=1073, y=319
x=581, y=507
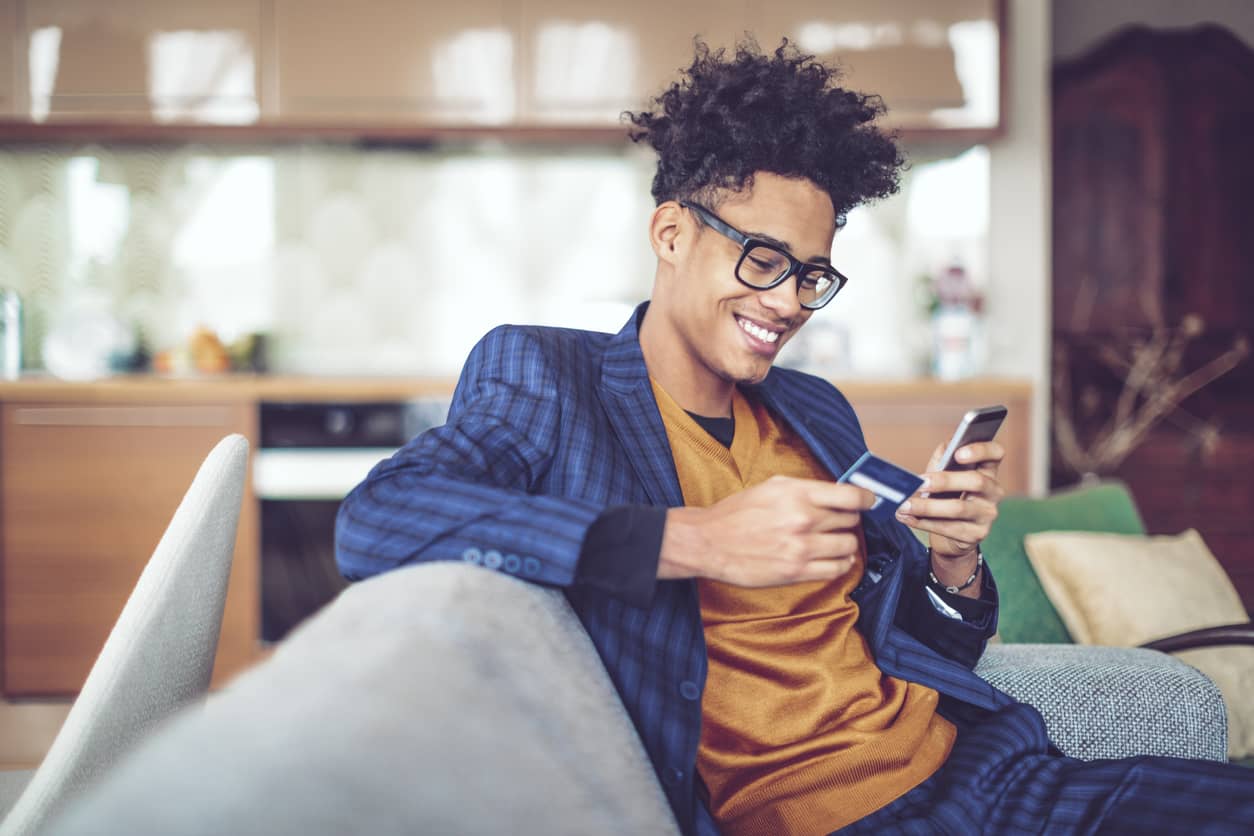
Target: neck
x=674, y=366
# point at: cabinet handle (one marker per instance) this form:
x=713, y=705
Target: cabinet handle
x=123, y=416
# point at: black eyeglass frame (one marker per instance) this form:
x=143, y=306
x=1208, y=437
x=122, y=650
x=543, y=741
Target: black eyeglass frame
x=748, y=243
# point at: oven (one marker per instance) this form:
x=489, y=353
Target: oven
x=311, y=455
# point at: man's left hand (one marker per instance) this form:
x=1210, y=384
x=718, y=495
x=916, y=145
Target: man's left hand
x=957, y=526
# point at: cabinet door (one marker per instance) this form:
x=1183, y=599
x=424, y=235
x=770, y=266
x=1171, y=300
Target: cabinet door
x=396, y=61
x=87, y=492
x=587, y=63
x=8, y=59
x=936, y=65
x=141, y=60
x=905, y=423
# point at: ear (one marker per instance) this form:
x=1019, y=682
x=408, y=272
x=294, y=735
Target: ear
x=666, y=231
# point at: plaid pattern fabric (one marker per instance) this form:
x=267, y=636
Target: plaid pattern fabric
x=1002, y=777
x=549, y=427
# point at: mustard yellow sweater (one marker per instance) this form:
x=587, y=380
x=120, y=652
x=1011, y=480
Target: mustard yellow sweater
x=801, y=732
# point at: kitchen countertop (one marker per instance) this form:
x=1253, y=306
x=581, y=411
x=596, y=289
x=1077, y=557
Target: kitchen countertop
x=293, y=388
x=221, y=388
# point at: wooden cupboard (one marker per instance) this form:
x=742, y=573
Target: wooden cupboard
x=397, y=61
x=587, y=63
x=1153, y=200
x=9, y=75
x=87, y=491
x=404, y=71
x=90, y=474
x=159, y=61
x=904, y=422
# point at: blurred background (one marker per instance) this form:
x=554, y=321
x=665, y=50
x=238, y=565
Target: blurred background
x=293, y=218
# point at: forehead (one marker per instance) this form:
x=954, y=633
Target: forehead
x=788, y=209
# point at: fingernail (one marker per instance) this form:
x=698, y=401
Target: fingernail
x=927, y=483
x=905, y=507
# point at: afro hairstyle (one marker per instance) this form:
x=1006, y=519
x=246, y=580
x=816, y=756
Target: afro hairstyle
x=727, y=118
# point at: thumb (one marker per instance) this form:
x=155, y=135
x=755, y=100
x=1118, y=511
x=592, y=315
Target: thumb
x=934, y=462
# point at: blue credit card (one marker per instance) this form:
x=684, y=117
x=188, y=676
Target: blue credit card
x=892, y=485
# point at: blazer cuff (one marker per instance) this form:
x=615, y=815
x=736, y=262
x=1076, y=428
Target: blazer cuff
x=621, y=551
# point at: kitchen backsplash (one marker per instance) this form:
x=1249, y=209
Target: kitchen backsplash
x=395, y=261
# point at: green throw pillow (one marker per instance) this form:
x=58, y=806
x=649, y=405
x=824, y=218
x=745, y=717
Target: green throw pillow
x=1026, y=613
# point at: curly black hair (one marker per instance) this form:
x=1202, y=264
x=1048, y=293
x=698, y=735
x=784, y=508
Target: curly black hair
x=726, y=119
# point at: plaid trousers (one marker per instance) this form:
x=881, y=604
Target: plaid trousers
x=1003, y=776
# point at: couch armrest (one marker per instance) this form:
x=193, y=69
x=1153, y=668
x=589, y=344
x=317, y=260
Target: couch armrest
x=1111, y=702
x=1206, y=637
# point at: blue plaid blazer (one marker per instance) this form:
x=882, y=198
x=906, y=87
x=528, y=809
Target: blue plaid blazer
x=549, y=427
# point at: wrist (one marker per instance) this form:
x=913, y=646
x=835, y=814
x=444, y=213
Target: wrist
x=957, y=574
x=683, y=544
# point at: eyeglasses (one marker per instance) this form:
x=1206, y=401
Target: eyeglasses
x=763, y=265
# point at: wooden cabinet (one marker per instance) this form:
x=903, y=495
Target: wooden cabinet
x=9, y=84
x=1153, y=201
x=588, y=62
x=87, y=490
x=399, y=70
x=397, y=61
x=164, y=61
x=904, y=422
x=937, y=66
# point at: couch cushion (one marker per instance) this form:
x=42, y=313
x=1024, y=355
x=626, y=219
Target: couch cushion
x=440, y=698
x=1026, y=613
x=1126, y=590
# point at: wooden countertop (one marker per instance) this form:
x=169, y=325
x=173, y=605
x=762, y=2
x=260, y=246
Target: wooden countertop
x=225, y=388
x=291, y=388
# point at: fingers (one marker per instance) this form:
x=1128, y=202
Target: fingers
x=974, y=507
x=980, y=454
x=971, y=482
x=838, y=496
x=829, y=546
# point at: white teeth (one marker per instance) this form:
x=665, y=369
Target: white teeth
x=758, y=331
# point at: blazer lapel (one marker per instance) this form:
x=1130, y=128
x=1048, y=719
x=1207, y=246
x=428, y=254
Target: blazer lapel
x=629, y=404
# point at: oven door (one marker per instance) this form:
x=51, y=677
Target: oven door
x=300, y=491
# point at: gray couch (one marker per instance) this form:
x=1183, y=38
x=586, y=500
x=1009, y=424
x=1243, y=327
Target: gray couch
x=448, y=699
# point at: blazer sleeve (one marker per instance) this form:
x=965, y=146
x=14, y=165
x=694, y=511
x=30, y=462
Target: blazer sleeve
x=463, y=491
x=962, y=640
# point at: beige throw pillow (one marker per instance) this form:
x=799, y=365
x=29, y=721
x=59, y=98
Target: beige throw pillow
x=1124, y=590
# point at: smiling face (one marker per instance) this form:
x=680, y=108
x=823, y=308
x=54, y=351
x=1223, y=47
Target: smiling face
x=704, y=331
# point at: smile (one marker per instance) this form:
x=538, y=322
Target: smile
x=757, y=331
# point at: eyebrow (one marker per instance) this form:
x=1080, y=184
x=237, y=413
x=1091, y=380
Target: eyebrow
x=784, y=245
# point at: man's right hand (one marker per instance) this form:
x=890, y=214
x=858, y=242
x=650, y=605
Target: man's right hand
x=781, y=531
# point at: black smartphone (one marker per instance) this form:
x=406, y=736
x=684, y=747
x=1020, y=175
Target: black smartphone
x=976, y=426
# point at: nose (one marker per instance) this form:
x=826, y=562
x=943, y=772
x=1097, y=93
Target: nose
x=782, y=299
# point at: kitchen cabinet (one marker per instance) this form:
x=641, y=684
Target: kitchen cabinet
x=396, y=61
x=904, y=422
x=588, y=62
x=937, y=66
x=90, y=475
x=394, y=70
x=86, y=490
x=9, y=84
x=158, y=61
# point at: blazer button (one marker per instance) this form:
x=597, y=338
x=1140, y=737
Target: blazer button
x=492, y=559
x=472, y=555
x=512, y=562
x=672, y=776
x=689, y=690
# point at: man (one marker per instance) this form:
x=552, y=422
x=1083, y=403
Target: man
x=790, y=665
